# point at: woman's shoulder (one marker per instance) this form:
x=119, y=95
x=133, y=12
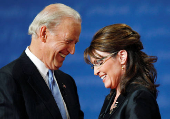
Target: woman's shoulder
x=143, y=102
x=137, y=92
x=136, y=87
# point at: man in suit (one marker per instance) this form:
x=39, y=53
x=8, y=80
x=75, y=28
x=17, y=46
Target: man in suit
x=25, y=90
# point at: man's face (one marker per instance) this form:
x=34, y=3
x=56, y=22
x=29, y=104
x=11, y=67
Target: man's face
x=60, y=43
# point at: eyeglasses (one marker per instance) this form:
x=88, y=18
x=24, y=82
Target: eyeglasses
x=99, y=62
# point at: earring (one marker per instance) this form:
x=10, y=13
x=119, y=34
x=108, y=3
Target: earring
x=122, y=67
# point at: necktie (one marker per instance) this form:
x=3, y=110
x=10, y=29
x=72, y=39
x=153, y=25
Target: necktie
x=56, y=93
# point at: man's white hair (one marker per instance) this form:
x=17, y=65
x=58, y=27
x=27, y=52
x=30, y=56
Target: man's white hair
x=51, y=17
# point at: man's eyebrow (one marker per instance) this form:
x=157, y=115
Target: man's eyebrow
x=76, y=41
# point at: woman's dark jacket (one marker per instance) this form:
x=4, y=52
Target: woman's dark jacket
x=137, y=103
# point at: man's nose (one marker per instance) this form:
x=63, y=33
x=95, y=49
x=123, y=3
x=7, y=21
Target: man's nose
x=71, y=48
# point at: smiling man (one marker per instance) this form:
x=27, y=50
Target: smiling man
x=32, y=86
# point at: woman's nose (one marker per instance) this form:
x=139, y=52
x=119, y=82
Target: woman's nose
x=96, y=70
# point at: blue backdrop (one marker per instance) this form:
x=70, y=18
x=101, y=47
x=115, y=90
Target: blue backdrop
x=151, y=18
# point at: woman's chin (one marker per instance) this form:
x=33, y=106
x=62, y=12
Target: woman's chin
x=107, y=86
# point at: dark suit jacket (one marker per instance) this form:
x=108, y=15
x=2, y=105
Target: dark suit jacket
x=25, y=95
x=136, y=103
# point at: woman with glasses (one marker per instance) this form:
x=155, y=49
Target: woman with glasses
x=116, y=57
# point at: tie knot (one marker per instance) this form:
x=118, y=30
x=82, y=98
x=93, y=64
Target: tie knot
x=50, y=73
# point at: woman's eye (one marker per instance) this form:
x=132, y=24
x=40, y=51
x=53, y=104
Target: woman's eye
x=100, y=62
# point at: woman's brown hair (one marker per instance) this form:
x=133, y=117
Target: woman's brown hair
x=139, y=69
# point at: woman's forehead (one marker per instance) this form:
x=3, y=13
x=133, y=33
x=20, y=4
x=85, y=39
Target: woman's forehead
x=96, y=54
x=100, y=54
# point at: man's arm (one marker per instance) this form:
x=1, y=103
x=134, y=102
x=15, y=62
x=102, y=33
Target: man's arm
x=11, y=101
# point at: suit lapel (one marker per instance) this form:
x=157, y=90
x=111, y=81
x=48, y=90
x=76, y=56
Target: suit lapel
x=39, y=86
x=120, y=100
x=63, y=83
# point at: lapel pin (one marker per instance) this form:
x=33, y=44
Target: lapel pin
x=64, y=86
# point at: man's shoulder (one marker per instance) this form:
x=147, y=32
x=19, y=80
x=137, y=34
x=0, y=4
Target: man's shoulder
x=9, y=67
x=13, y=65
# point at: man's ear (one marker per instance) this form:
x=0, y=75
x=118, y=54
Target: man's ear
x=122, y=56
x=43, y=33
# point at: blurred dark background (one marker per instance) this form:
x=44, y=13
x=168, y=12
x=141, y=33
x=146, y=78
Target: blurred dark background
x=150, y=18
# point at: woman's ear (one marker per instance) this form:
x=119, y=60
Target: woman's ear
x=43, y=35
x=122, y=56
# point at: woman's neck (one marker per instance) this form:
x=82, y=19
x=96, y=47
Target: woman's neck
x=115, y=99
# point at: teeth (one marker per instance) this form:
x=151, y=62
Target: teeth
x=62, y=55
x=103, y=77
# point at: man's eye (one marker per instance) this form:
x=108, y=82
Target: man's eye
x=67, y=42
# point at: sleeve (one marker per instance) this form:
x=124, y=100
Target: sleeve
x=10, y=100
x=142, y=105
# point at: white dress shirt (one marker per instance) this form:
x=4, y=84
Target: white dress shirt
x=43, y=71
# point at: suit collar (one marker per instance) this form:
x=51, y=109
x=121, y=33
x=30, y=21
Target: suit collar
x=119, y=101
x=37, y=62
x=38, y=84
x=121, y=98
x=110, y=99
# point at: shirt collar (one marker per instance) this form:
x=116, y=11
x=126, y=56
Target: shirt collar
x=37, y=62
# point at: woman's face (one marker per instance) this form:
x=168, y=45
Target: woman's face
x=110, y=71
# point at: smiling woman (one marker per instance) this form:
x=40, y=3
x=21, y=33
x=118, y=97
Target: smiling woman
x=116, y=56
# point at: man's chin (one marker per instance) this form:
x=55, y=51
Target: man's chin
x=58, y=66
x=54, y=67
